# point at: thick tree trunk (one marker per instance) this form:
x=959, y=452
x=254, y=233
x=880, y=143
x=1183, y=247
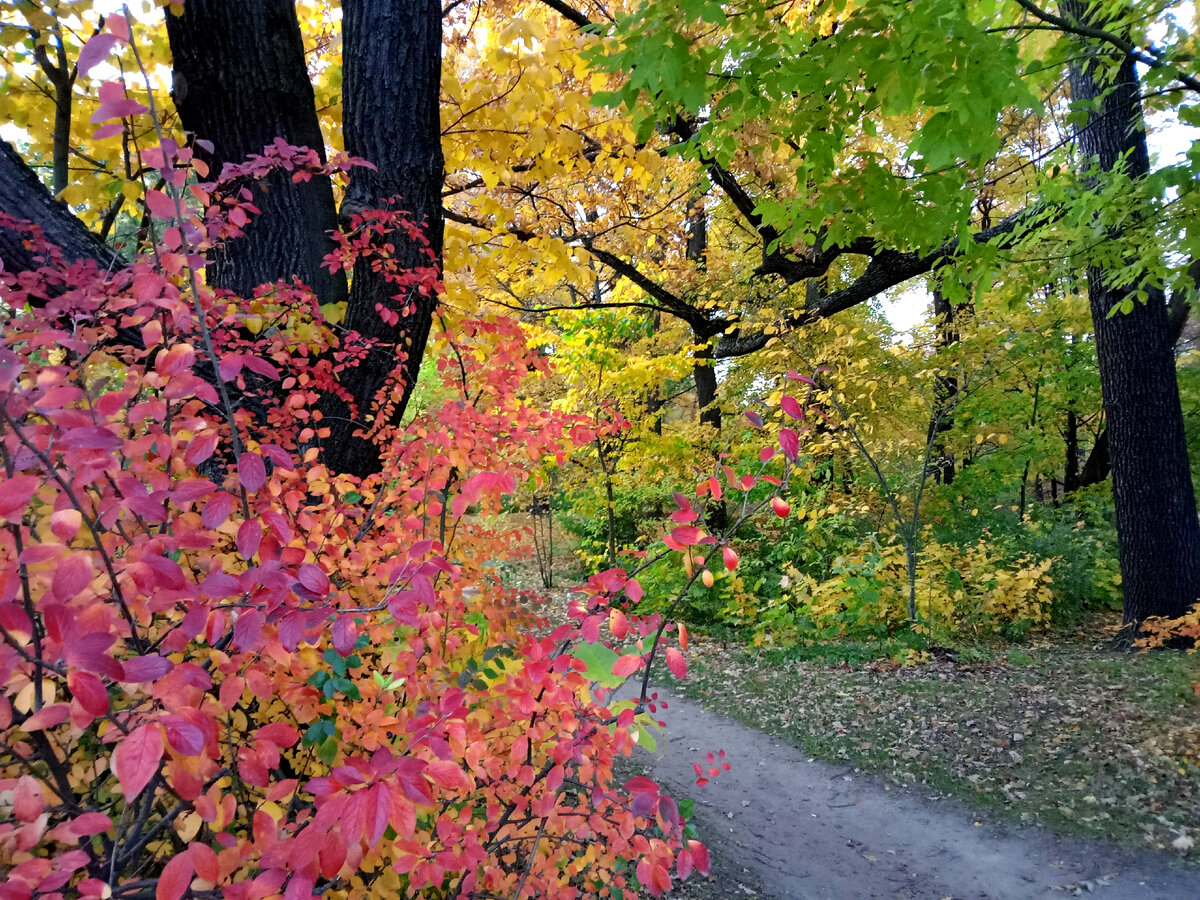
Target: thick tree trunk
x=23, y=196
x=240, y=82
x=392, y=54
x=1157, y=526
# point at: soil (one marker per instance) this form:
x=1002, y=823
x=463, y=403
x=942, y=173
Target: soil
x=780, y=825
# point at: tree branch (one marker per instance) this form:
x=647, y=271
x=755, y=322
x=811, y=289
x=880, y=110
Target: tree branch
x=1147, y=56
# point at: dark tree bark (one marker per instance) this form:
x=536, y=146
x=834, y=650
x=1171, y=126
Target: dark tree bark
x=392, y=54
x=945, y=391
x=1157, y=526
x=23, y=196
x=240, y=82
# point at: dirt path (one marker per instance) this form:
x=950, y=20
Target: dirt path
x=783, y=827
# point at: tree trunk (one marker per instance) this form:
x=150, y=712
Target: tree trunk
x=1157, y=528
x=945, y=392
x=391, y=64
x=240, y=82
x=23, y=196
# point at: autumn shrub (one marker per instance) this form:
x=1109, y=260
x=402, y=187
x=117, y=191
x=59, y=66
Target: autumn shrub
x=229, y=671
x=963, y=593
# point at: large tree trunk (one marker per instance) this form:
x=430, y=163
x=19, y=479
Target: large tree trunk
x=240, y=81
x=391, y=71
x=1157, y=527
x=23, y=196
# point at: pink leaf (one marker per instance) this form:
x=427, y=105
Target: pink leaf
x=28, y=799
x=249, y=537
x=161, y=205
x=231, y=366
x=73, y=574
x=142, y=669
x=91, y=437
x=175, y=877
x=15, y=493
x=136, y=759
x=201, y=447
x=47, y=717
x=95, y=51
x=792, y=408
x=314, y=579
x=252, y=473
x=217, y=510
x=789, y=442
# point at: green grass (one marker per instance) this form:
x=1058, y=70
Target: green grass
x=1066, y=733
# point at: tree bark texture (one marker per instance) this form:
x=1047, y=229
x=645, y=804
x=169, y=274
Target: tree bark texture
x=23, y=196
x=1157, y=526
x=240, y=82
x=390, y=95
x=945, y=392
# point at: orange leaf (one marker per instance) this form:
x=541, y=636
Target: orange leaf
x=626, y=665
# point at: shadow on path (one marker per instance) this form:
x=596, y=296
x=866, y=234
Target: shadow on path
x=817, y=830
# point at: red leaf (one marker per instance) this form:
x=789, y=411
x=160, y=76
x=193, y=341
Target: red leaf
x=73, y=574
x=90, y=823
x=676, y=663
x=448, y=775
x=633, y=590
x=204, y=858
x=175, y=878
x=136, y=759
x=789, y=442
x=344, y=635
x=683, y=865
x=626, y=665
x=731, y=558
x=252, y=473
x=754, y=418
x=89, y=691
x=15, y=493
x=618, y=624
x=260, y=366
x=281, y=734
x=792, y=408
x=201, y=447
x=687, y=535
x=699, y=857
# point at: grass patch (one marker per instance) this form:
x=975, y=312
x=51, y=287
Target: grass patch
x=1066, y=733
